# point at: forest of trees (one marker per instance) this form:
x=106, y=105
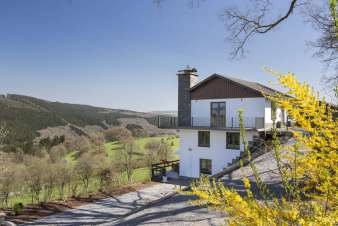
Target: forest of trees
x=48, y=174
x=24, y=116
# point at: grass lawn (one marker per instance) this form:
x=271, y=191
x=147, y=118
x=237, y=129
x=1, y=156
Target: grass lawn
x=71, y=157
x=113, y=147
x=139, y=175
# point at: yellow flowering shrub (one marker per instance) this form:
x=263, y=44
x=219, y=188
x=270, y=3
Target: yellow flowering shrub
x=309, y=179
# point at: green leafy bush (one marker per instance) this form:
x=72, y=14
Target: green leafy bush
x=17, y=208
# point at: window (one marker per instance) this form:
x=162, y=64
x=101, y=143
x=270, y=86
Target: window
x=233, y=141
x=203, y=139
x=217, y=114
x=205, y=166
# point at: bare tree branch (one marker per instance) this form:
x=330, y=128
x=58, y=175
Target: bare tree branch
x=327, y=44
x=244, y=25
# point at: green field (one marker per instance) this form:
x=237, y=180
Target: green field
x=113, y=147
x=71, y=157
x=139, y=175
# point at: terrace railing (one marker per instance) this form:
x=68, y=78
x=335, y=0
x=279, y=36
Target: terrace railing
x=213, y=123
x=158, y=170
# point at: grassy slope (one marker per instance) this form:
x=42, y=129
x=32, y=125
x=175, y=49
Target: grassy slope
x=71, y=157
x=139, y=175
x=113, y=147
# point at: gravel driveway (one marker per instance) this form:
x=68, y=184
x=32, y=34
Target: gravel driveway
x=173, y=211
x=108, y=210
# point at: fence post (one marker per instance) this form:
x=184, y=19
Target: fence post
x=152, y=172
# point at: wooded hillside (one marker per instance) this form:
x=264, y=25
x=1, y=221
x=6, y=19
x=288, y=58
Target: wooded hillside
x=24, y=116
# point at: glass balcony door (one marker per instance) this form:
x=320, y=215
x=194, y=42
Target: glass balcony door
x=218, y=112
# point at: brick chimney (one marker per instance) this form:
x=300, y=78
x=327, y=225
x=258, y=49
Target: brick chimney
x=187, y=78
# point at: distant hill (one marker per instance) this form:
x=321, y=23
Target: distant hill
x=24, y=116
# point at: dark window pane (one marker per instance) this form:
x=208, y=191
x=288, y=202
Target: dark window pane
x=214, y=105
x=205, y=166
x=203, y=138
x=222, y=108
x=233, y=140
x=218, y=114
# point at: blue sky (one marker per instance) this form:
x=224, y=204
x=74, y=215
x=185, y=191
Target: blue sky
x=125, y=54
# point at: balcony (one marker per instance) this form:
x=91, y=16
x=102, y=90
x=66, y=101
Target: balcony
x=167, y=122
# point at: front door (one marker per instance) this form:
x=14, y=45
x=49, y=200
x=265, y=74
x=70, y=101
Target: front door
x=205, y=167
x=217, y=114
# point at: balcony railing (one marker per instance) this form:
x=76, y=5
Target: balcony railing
x=167, y=122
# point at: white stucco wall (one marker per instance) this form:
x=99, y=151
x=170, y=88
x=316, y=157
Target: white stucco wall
x=259, y=107
x=190, y=154
x=279, y=114
x=253, y=107
x=267, y=118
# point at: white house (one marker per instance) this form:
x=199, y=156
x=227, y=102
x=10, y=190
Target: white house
x=208, y=121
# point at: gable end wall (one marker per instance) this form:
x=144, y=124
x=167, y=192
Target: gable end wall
x=218, y=88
